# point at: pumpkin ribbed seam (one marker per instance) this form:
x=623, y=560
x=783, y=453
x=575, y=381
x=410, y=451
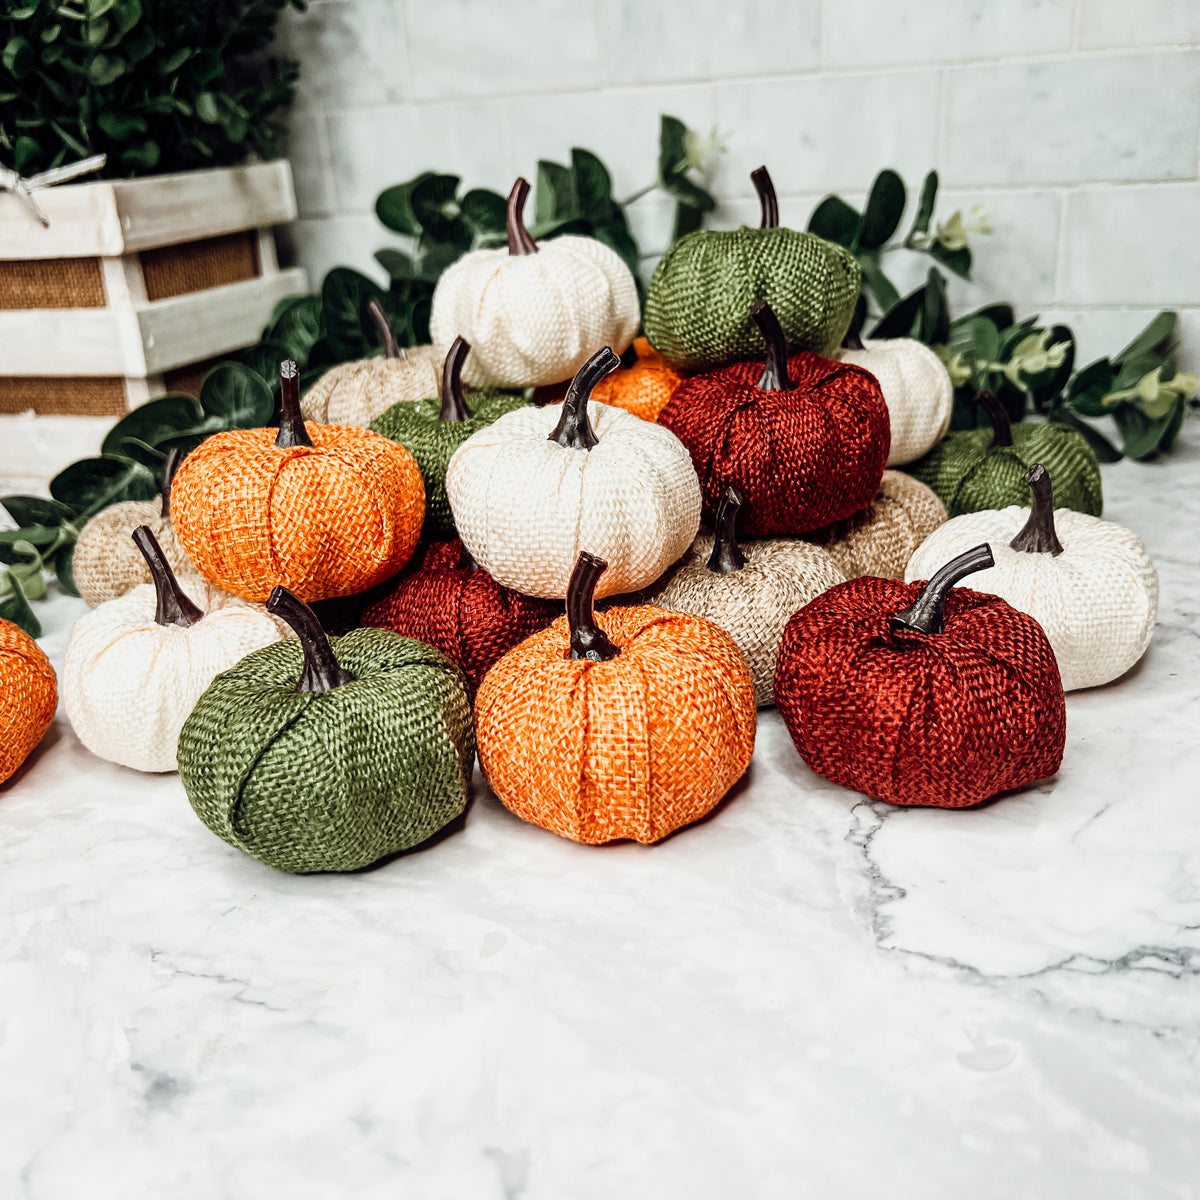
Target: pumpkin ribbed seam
x=231, y=818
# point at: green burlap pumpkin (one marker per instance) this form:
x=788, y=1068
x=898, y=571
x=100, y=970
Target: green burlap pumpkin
x=702, y=291
x=319, y=756
x=977, y=469
x=431, y=431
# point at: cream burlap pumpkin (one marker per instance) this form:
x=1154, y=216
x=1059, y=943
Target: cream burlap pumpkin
x=534, y=313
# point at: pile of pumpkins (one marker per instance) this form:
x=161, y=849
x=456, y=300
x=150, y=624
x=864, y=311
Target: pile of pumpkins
x=320, y=625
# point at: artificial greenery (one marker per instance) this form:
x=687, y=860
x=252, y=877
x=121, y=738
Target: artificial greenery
x=157, y=85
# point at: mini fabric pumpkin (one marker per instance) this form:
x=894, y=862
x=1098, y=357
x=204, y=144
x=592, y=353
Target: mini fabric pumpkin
x=534, y=314
x=626, y=728
x=540, y=485
x=453, y=604
x=106, y=563
x=432, y=430
x=703, y=289
x=644, y=387
x=355, y=393
x=750, y=591
x=319, y=755
x=975, y=469
x=136, y=665
x=921, y=693
x=881, y=538
x=1089, y=583
x=28, y=697
x=804, y=439
x=327, y=510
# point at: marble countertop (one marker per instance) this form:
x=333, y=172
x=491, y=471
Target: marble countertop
x=806, y=995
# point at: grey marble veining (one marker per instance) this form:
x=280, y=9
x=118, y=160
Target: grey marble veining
x=804, y=995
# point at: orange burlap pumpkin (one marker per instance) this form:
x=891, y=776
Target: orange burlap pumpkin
x=323, y=510
x=28, y=696
x=642, y=389
x=628, y=725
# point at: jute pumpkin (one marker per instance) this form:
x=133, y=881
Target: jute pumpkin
x=320, y=755
x=136, y=665
x=1088, y=583
x=700, y=296
x=626, y=726
x=540, y=485
x=432, y=430
x=355, y=393
x=28, y=697
x=326, y=510
x=453, y=604
x=804, y=439
x=881, y=538
x=985, y=468
x=921, y=693
x=750, y=591
x=533, y=313
x=642, y=388
x=106, y=563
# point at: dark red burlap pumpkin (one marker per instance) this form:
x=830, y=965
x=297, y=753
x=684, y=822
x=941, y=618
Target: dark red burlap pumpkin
x=921, y=693
x=805, y=439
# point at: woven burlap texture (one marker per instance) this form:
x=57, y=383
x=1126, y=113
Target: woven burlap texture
x=106, y=563
x=525, y=507
x=432, y=442
x=753, y=604
x=1097, y=600
x=881, y=538
x=336, y=780
x=642, y=389
x=28, y=697
x=803, y=458
x=355, y=393
x=635, y=747
x=969, y=474
x=534, y=319
x=700, y=296
x=947, y=719
x=325, y=520
x=129, y=683
x=918, y=391
x=461, y=610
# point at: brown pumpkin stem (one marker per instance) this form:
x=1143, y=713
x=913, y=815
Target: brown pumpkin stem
x=520, y=241
x=727, y=555
x=767, y=199
x=853, y=339
x=454, y=403
x=322, y=671
x=387, y=335
x=588, y=640
x=929, y=609
x=174, y=607
x=775, y=370
x=174, y=458
x=574, y=430
x=998, y=415
x=1038, y=535
x=291, y=424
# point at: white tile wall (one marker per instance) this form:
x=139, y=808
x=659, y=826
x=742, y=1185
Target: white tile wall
x=1076, y=122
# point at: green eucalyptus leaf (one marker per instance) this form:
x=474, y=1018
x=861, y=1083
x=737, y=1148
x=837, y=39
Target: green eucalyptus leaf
x=1090, y=386
x=934, y=328
x=976, y=338
x=35, y=510
x=94, y=483
x=593, y=184
x=885, y=207
x=483, y=211
x=141, y=434
x=688, y=218
x=1142, y=435
x=237, y=397
x=264, y=358
x=873, y=277
x=393, y=206
x=144, y=156
x=556, y=197
x=344, y=297
x=957, y=260
x=106, y=69
x=834, y=220
x=1154, y=340
x=434, y=203
x=901, y=319
x=121, y=126
x=298, y=326
x=18, y=57
x=29, y=537
x=397, y=264
x=15, y=608
x=64, y=569
x=924, y=214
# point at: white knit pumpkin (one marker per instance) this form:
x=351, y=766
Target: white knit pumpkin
x=917, y=389
x=1097, y=600
x=355, y=393
x=534, y=313
x=526, y=507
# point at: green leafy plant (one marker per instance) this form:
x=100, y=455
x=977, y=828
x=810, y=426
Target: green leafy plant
x=157, y=85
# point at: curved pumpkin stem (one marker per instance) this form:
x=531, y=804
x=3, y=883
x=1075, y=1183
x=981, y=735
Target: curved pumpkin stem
x=322, y=671
x=929, y=609
x=291, y=423
x=174, y=458
x=1038, y=535
x=767, y=199
x=454, y=403
x=853, y=339
x=574, y=430
x=775, y=370
x=173, y=607
x=727, y=555
x=520, y=241
x=588, y=640
x=387, y=335
x=998, y=415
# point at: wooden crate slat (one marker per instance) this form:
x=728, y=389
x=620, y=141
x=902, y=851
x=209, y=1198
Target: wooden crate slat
x=71, y=341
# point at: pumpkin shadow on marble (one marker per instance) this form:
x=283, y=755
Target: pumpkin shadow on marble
x=50, y=739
